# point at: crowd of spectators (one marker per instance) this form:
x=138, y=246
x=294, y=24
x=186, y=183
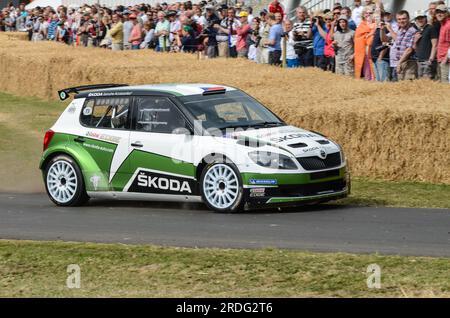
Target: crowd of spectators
x=365, y=41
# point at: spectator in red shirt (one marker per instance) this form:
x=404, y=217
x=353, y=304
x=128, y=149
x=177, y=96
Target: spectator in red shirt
x=275, y=7
x=443, y=49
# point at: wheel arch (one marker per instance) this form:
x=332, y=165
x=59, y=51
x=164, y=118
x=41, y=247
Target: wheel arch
x=206, y=160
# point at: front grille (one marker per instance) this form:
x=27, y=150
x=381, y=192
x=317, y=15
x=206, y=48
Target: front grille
x=315, y=163
x=312, y=188
x=324, y=174
x=323, y=142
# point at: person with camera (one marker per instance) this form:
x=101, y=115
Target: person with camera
x=343, y=42
x=425, y=46
x=317, y=30
x=303, y=44
x=262, y=51
x=291, y=56
x=253, y=40
x=208, y=34
x=380, y=50
x=226, y=34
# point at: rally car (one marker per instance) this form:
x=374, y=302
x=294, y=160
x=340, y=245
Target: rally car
x=185, y=142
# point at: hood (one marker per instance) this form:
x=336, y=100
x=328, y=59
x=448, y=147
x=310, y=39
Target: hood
x=299, y=142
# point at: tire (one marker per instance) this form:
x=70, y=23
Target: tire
x=64, y=182
x=221, y=188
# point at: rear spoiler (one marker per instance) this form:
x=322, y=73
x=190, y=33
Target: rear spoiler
x=64, y=93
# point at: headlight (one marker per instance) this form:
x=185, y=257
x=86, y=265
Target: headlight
x=272, y=160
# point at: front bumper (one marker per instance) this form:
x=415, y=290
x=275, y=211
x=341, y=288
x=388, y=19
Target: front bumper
x=298, y=194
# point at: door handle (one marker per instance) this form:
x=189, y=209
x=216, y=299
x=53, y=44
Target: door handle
x=137, y=144
x=79, y=139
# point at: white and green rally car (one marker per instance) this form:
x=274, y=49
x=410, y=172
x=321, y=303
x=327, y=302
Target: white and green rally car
x=185, y=142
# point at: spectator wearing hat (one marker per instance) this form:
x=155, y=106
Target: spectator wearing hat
x=250, y=15
x=425, y=46
x=343, y=42
x=209, y=29
x=317, y=27
x=135, y=38
x=404, y=67
x=127, y=28
x=162, y=31
x=364, y=35
x=262, y=51
x=274, y=40
x=186, y=42
x=443, y=48
x=276, y=7
x=116, y=33
x=175, y=25
x=242, y=32
x=226, y=34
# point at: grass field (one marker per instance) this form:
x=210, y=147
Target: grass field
x=31, y=269
x=23, y=121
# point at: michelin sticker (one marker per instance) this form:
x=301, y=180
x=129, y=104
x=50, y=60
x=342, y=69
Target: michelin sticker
x=263, y=181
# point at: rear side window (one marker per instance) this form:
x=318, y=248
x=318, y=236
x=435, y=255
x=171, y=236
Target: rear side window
x=107, y=112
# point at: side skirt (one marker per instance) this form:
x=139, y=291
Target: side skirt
x=135, y=196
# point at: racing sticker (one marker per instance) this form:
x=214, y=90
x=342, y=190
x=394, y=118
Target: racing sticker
x=263, y=181
x=152, y=182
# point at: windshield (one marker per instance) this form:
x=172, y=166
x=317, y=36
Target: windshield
x=229, y=110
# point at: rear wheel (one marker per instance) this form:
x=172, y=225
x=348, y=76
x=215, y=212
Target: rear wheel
x=64, y=182
x=221, y=188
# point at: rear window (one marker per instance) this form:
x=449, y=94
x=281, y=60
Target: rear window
x=107, y=112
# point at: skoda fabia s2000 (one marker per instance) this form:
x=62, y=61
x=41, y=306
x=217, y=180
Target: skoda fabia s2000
x=185, y=142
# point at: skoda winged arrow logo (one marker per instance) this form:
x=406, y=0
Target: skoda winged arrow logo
x=322, y=154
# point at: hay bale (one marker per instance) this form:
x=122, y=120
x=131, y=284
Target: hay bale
x=391, y=131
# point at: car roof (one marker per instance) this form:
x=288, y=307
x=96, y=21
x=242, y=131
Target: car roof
x=165, y=89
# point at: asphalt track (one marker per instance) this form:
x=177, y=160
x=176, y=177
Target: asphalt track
x=335, y=228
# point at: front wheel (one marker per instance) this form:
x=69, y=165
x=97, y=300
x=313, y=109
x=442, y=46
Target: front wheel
x=221, y=188
x=64, y=182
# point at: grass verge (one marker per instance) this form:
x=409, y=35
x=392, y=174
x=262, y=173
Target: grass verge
x=24, y=120
x=30, y=269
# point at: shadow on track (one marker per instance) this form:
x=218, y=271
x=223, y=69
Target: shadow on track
x=202, y=207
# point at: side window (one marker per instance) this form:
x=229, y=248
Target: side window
x=106, y=112
x=158, y=115
x=236, y=112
